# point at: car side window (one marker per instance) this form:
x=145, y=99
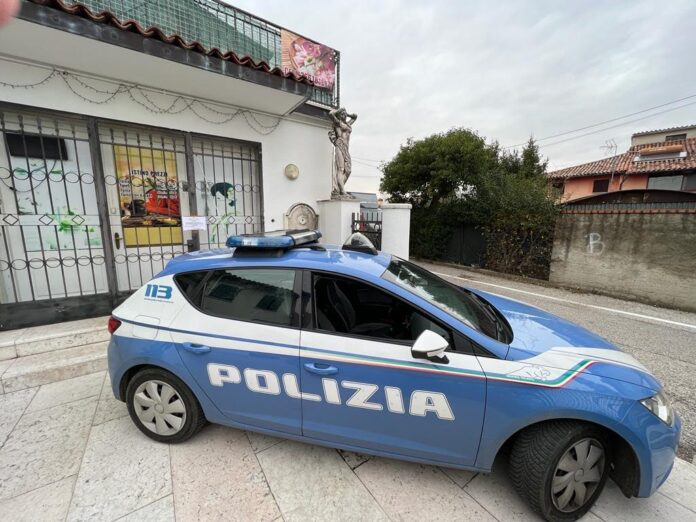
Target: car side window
x=346, y=306
x=255, y=294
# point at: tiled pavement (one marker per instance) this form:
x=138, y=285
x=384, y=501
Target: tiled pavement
x=68, y=451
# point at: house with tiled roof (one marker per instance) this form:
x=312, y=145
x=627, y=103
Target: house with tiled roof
x=659, y=159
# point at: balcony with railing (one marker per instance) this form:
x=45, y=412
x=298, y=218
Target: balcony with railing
x=216, y=25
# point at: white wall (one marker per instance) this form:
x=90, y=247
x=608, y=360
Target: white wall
x=396, y=228
x=297, y=139
x=660, y=136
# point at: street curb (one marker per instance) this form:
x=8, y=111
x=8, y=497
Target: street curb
x=492, y=273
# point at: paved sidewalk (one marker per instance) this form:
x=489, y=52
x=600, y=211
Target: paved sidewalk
x=69, y=451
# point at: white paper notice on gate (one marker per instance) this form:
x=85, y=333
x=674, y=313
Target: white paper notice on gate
x=193, y=222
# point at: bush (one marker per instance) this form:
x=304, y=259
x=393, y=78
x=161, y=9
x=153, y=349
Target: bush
x=431, y=229
x=520, y=219
x=453, y=179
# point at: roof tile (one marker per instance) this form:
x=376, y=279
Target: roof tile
x=625, y=163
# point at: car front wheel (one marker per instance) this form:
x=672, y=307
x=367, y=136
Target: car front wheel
x=163, y=407
x=560, y=468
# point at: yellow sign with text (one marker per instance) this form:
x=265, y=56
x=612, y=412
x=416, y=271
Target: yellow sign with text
x=148, y=196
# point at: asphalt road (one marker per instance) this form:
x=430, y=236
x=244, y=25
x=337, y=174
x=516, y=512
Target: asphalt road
x=664, y=340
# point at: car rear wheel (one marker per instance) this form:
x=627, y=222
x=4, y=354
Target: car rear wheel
x=163, y=407
x=560, y=468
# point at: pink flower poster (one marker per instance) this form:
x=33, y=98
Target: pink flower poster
x=306, y=58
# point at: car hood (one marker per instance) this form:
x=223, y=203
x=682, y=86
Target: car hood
x=546, y=339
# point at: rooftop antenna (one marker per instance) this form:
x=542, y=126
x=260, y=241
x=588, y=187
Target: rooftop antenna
x=610, y=148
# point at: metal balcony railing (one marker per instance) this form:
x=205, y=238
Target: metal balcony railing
x=214, y=25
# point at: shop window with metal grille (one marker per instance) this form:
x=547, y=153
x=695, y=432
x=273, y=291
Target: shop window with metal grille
x=50, y=228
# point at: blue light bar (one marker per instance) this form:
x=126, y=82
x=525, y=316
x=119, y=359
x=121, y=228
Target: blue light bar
x=281, y=239
x=260, y=242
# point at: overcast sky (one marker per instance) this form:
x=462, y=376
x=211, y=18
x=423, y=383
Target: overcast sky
x=508, y=69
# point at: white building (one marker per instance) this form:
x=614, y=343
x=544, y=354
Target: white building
x=113, y=131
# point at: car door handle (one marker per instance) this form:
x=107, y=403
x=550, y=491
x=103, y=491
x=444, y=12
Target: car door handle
x=195, y=348
x=320, y=369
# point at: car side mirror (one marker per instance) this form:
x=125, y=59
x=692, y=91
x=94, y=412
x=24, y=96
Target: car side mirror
x=431, y=346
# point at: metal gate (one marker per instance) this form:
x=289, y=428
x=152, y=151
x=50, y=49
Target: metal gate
x=90, y=210
x=228, y=188
x=369, y=223
x=143, y=172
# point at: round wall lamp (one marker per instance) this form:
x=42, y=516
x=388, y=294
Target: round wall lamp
x=291, y=171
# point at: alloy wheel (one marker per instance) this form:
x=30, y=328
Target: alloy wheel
x=577, y=475
x=159, y=407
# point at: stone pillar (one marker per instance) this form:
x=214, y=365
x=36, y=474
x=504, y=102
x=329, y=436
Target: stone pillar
x=335, y=218
x=396, y=228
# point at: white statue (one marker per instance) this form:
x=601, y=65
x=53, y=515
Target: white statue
x=340, y=137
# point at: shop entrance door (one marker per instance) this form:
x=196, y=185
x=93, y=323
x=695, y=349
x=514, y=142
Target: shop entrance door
x=145, y=178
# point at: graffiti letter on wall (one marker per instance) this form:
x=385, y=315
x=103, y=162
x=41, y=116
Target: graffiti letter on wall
x=595, y=245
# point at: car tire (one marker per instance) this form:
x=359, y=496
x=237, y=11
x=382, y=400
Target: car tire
x=560, y=468
x=156, y=398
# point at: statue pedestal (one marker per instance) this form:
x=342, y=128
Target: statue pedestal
x=335, y=219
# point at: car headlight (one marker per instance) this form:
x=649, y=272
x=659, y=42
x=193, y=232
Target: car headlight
x=659, y=405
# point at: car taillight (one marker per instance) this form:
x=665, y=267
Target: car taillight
x=113, y=324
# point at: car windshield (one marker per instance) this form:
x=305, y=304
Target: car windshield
x=457, y=302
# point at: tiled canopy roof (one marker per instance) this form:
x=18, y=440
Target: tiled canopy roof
x=625, y=164
x=106, y=17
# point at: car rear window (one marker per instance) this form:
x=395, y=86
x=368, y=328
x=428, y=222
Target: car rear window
x=189, y=285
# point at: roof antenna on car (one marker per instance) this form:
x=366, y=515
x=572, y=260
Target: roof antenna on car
x=359, y=243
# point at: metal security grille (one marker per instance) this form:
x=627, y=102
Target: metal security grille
x=369, y=223
x=228, y=189
x=145, y=176
x=91, y=210
x=50, y=231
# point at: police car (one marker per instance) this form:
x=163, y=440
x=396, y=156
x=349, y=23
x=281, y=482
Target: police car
x=357, y=349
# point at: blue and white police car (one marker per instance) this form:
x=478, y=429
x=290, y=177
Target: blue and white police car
x=357, y=349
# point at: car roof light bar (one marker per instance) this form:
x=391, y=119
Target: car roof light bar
x=277, y=239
